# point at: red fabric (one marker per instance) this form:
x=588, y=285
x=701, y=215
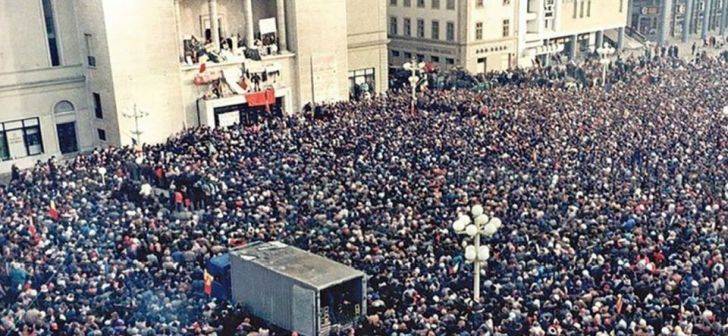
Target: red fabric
x=53, y=213
x=262, y=98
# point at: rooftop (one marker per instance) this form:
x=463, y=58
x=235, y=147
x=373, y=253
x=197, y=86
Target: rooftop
x=306, y=267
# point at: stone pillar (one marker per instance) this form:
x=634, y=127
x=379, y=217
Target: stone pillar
x=281, y=24
x=664, y=25
x=180, y=38
x=687, y=20
x=248, y=13
x=598, y=39
x=214, y=25
x=724, y=17
x=706, y=18
x=620, y=38
x=573, y=47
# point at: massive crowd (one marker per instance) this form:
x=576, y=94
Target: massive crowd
x=613, y=203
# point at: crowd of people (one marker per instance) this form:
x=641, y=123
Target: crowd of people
x=613, y=202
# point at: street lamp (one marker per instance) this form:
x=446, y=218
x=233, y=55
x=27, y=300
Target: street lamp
x=415, y=69
x=475, y=225
x=605, y=52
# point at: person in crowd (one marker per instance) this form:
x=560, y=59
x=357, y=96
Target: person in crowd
x=614, y=208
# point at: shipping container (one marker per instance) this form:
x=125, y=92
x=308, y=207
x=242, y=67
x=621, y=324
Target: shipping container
x=297, y=290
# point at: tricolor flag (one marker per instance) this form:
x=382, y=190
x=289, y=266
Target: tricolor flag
x=52, y=212
x=208, y=278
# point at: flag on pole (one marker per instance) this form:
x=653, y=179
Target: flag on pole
x=208, y=278
x=53, y=212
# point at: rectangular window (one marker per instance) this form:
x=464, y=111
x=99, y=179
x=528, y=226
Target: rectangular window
x=478, y=30
x=588, y=8
x=361, y=82
x=576, y=4
x=407, y=3
x=435, y=59
x=450, y=31
x=506, y=2
x=421, y=3
x=450, y=4
x=392, y=25
x=102, y=134
x=88, y=38
x=420, y=58
x=420, y=28
x=581, y=9
x=450, y=61
x=98, y=109
x=621, y=6
x=435, y=30
x=395, y=53
x=479, y=3
x=407, y=29
x=435, y=4
x=51, y=32
x=393, y=2
x=506, y=28
x=407, y=55
x=20, y=138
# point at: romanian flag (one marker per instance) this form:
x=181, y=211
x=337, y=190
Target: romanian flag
x=208, y=278
x=619, y=304
x=52, y=212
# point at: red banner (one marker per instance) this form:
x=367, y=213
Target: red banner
x=262, y=98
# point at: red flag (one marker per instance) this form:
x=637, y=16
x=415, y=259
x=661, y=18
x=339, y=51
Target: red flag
x=52, y=212
x=208, y=278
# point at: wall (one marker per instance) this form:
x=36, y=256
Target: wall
x=145, y=69
x=605, y=14
x=367, y=38
x=317, y=28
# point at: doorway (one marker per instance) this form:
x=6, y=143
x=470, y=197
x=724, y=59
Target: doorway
x=67, y=137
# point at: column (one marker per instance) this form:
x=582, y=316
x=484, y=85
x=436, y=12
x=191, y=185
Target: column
x=180, y=38
x=620, y=38
x=573, y=47
x=214, y=25
x=598, y=39
x=281, y=25
x=706, y=18
x=664, y=24
x=248, y=13
x=687, y=20
x=724, y=17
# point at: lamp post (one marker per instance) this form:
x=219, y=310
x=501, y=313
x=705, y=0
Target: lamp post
x=136, y=114
x=102, y=173
x=605, y=52
x=415, y=69
x=474, y=226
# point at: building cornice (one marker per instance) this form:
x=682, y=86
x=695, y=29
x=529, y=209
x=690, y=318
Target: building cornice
x=374, y=43
x=43, y=83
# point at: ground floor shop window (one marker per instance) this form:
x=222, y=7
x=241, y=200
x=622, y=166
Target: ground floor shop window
x=20, y=138
x=361, y=82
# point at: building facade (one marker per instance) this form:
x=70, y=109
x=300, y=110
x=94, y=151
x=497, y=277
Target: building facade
x=568, y=27
x=478, y=35
x=91, y=73
x=660, y=20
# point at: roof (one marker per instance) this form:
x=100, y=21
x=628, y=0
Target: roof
x=292, y=262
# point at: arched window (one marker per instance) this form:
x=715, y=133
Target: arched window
x=63, y=107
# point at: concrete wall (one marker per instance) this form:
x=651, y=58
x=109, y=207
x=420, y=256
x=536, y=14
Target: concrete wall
x=98, y=79
x=316, y=29
x=145, y=69
x=605, y=14
x=367, y=38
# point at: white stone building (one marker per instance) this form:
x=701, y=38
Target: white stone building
x=568, y=27
x=477, y=35
x=72, y=72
